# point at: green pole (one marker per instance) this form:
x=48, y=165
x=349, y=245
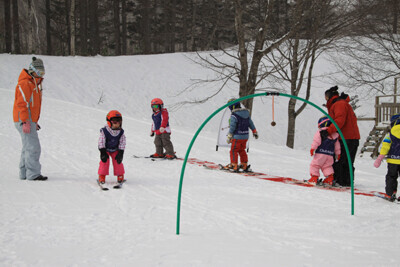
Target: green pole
x=233, y=102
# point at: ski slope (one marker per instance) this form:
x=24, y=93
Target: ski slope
x=226, y=219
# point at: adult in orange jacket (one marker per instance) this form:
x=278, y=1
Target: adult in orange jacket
x=343, y=114
x=26, y=113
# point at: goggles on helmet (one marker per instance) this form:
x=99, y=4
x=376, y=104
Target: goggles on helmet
x=115, y=120
x=155, y=106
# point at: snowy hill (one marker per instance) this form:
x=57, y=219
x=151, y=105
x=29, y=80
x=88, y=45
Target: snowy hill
x=226, y=219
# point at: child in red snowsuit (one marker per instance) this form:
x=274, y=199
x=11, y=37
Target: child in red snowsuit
x=325, y=152
x=239, y=125
x=112, y=143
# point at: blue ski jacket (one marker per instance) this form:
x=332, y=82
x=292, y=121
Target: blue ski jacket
x=239, y=124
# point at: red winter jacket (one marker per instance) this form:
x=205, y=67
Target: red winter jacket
x=344, y=116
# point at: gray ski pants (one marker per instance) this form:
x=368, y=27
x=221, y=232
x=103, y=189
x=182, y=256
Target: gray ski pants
x=163, y=141
x=29, y=165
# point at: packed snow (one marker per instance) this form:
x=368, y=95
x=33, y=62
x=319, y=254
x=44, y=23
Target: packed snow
x=226, y=219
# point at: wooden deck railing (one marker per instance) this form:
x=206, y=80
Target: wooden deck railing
x=384, y=110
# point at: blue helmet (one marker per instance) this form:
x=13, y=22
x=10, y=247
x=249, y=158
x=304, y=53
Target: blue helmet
x=235, y=105
x=324, y=122
x=395, y=120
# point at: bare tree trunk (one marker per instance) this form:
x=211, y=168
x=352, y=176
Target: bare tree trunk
x=242, y=49
x=146, y=26
x=171, y=34
x=67, y=22
x=248, y=77
x=292, y=102
x=17, y=45
x=185, y=18
x=94, y=28
x=291, y=123
x=193, y=26
x=7, y=24
x=48, y=28
x=167, y=25
x=72, y=27
x=83, y=32
x=395, y=10
x=124, y=32
x=30, y=31
x=117, y=32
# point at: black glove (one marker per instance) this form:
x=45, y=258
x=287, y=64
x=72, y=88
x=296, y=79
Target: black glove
x=255, y=134
x=119, y=156
x=103, y=155
x=324, y=134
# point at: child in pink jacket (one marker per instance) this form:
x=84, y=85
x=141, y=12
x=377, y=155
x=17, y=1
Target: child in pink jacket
x=325, y=151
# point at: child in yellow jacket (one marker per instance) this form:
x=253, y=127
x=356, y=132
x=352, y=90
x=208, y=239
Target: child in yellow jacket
x=391, y=148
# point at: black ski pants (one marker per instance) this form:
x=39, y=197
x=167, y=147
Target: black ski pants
x=341, y=167
x=393, y=173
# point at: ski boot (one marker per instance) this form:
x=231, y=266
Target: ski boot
x=170, y=156
x=231, y=166
x=102, y=179
x=40, y=178
x=244, y=166
x=393, y=197
x=155, y=155
x=328, y=180
x=120, y=179
x=313, y=180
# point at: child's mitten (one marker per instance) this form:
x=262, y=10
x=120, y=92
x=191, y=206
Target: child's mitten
x=103, y=155
x=119, y=156
x=255, y=134
x=378, y=161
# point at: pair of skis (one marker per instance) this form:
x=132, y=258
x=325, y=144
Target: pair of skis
x=105, y=188
x=152, y=159
x=222, y=168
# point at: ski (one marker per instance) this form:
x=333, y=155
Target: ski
x=141, y=157
x=119, y=185
x=154, y=159
x=383, y=196
x=102, y=186
x=220, y=167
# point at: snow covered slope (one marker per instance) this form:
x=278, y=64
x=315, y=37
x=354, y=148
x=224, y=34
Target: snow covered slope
x=226, y=219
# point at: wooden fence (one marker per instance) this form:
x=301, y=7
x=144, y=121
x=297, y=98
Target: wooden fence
x=384, y=110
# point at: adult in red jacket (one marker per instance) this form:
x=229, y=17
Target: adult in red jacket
x=26, y=113
x=343, y=114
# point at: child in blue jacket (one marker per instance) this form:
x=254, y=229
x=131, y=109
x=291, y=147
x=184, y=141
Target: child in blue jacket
x=239, y=125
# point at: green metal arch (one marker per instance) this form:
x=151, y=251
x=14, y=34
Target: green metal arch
x=247, y=97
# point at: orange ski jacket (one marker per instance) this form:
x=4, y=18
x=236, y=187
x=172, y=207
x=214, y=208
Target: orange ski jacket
x=28, y=98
